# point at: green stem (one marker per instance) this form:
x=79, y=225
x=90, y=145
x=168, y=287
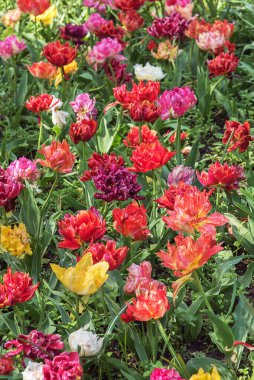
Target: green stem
x=104, y=305
x=5, y=219
x=226, y=147
x=178, y=142
x=217, y=198
x=35, y=30
x=180, y=365
x=40, y=132
x=201, y=290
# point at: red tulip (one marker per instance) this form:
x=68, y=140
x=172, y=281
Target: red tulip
x=42, y=70
x=33, y=7
x=58, y=157
x=59, y=54
x=83, y=130
x=39, y=103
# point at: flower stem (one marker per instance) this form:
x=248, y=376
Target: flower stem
x=180, y=365
x=201, y=290
x=178, y=142
x=226, y=147
x=40, y=131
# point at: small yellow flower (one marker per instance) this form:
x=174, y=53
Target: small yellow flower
x=202, y=375
x=47, y=17
x=68, y=69
x=15, y=240
x=85, y=278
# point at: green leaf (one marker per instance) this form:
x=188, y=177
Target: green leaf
x=207, y=363
x=22, y=89
x=222, y=335
x=194, y=155
x=241, y=233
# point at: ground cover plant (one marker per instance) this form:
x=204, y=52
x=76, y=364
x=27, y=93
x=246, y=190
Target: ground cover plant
x=126, y=189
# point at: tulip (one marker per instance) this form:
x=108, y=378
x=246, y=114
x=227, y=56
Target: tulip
x=85, y=342
x=85, y=278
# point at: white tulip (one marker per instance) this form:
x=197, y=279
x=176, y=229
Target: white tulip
x=58, y=117
x=86, y=342
x=33, y=371
x=148, y=72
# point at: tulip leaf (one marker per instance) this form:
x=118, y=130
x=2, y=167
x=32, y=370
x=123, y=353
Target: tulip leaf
x=222, y=335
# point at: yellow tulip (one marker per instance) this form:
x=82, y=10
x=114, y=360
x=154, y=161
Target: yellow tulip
x=85, y=278
x=68, y=69
x=15, y=240
x=202, y=375
x=47, y=17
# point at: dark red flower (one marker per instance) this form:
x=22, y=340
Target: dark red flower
x=173, y=26
x=131, y=20
x=39, y=103
x=223, y=64
x=85, y=227
x=108, y=252
x=6, y=365
x=108, y=29
x=74, y=33
x=35, y=345
x=65, y=366
x=83, y=130
x=19, y=286
x=131, y=221
x=128, y=5
x=116, y=71
x=148, y=157
x=59, y=54
x=145, y=111
x=97, y=161
x=239, y=135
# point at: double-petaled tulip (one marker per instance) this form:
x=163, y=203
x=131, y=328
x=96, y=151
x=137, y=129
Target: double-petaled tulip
x=139, y=276
x=167, y=200
x=85, y=342
x=33, y=7
x=131, y=221
x=176, y=102
x=85, y=227
x=10, y=188
x=107, y=48
x=137, y=135
x=238, y=136
x=85, y=278
x=11, y=46
x=165, y=374
x=84, y=107
x=223, y=64
x=148, y=157
x=222, y=175
x=23, y=169
x=15, y=240
x=173, y=26
x=108, y=252
x=83, y=130
x=18, y=287
x=6, y=365
x=181, y=173
x=11, y=17
x=202, y=375
x=39, y=103
x=42, y=70
x=128, y=5
x=59, y=54
x=64, y=366
x=131, y=20
x=73, y=32
x=188, y=255
x=35, y=345
x=57, y=157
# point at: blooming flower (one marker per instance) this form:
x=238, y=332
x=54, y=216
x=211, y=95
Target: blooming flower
x=86, y=226
x=188, y=255
x=202, y=375
x=98, y=161
x=39, y=103
x=150, y=304
x=71, y=68
x=6, y=365
x=185, y=9
x=46, y=18
x=190, y=213
x=167, y=200
x=18, y=286
x=84, y=107
x=108, y=252
x=148, y=72
x=181, y=173
x=165, y=51
x=23, y=169
x=223, y=64
x=85, y=278
x=222, y=175
x=33, y=371
x=210, y=41
x=42, y=70
x=11, y=46
x=172, y=27
x=33, y=7
x=147, y=157
x=11, y=17
x=85, y=342
x=93, y=22
x=58, y=116
x=131, y=20
x=128, y=5
x=165, y=374
x=10, y=188
x=239, y=135
x=105, y=49
x=35, y=345
x=101, y=5
x=59, y=54
x=83, y=130
x=131, y=221
x=138, y=278
x=137, y=135
x=57, y=157
x=74, y=33
x=64, y=366
x=116, y=71
x=176, y=102
x=15, y=240
x=108, y=29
